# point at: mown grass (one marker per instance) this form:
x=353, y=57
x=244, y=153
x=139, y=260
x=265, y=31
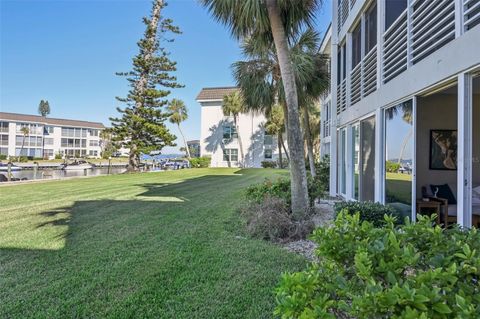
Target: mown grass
x=151, y=245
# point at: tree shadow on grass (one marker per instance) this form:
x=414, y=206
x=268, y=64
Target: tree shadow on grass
x=97, y=256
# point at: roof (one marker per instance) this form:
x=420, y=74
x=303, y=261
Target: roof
x=327, y=37
x=48, y=120
x=215, y=93
x=193, y=142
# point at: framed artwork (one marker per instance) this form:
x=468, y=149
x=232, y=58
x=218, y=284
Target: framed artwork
x=443, y=149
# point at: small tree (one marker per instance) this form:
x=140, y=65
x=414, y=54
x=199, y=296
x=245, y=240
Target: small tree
x=141, y=127
x=233, y=105
x=178, y=114
x=276, y=126
x=44, y=108
x=26, y=132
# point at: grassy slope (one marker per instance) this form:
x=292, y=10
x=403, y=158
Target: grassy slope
x=161, y=245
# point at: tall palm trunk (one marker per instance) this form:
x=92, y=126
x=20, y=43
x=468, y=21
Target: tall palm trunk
x=23, y=145
x=279, y=146
x=308, y=138
x=141, y=84
x=242, y=158
x=184, y=141
x=300, y=201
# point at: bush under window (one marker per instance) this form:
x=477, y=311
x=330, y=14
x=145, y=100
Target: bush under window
x=412, y=271
x=369, y=211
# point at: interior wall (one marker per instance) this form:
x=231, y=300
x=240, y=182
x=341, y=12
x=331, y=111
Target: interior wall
x=438, y=111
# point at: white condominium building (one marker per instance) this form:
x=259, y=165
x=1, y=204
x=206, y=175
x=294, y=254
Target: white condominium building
x=46, y=137
x=220, y=139
x=404, y=121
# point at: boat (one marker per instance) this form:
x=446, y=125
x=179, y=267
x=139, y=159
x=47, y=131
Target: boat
x=77, y=165
x=13, y=168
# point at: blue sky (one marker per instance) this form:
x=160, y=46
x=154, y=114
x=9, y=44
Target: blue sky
x=68, y=52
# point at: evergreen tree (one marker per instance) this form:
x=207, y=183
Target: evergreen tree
x=141, y=127
x=44, y=108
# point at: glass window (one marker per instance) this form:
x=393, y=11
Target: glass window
x=370, y=28
x=342, y=167
x=19, y=140
x=399, y=155
x=48, y=141
x=393, y=9
x=3, y=139
x=229, y=131
x=268, y=154
x=356, y=45
x=4, y=127
x=49, y=129
x=367, y=159
x=3, y=150
x=84, y=143
x=356, y=159
x=268, y=140
x=230, y=155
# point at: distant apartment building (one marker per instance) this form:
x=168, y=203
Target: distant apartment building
x=221, y=140
x=194, y=148
x=47, y=137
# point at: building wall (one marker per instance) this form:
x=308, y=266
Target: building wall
x=251, y=132
x=13, y=132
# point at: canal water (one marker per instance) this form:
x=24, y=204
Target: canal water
x=59, y=173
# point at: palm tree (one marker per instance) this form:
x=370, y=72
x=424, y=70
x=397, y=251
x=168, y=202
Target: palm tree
x=276, y=126
x=232, y=106
x=261, y=83
x=179, y=114
x=26, y=132
x=271, y=21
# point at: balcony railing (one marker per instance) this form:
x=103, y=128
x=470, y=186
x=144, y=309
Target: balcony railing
x=369, y=72
x=395, y=48
x=356, y=84
x=471, y=13
x=343, y=10
x=433, y=26
x=342, y=96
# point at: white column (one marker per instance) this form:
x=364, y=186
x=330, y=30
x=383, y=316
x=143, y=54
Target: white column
x=349, y=165
x=348, y=66
x=333, y=108
x=414, y=160
x=458, y=18
x=380, y=31
x=464, y=152
x=379, y=156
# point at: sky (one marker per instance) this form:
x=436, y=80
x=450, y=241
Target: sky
x=68, y=51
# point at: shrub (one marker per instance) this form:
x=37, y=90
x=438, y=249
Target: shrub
x=58, y=156
x=200, y=162
x=22, y=159
x=369, y=211
x=284, y=163
x=3, y=157
x=392, y=167
x=279, y=188
x=411, y=271
x=322, y=170
x=271, y=220
x=269, y=164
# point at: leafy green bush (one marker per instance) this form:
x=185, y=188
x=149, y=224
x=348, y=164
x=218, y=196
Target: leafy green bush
x=284, y=163
x=279, y=188
x=22, y=159
x=200, y=162
x=269, y=164
x=392, y=167
x=369, y=211
x=3, y=157
x=271, y=220
x=58, y=156
x=412, y=271
x=322, y=171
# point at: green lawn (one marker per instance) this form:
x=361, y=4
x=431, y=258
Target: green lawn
x=157, y=245
x=400, y=186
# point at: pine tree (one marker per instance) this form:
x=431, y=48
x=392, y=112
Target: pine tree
x=44, y=108
x=141, y=127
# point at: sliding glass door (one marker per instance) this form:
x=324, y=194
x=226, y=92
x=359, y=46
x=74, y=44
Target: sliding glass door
x=342, y=167
x=399, y=155
x=367, y=159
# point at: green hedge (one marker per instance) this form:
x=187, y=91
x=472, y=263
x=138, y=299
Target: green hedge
x=412, y=271
x=269, y=164
x=369, y=211
x=200, y=162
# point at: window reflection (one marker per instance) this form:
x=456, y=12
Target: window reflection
x=356, y=159
x=367, y=158
x=399, y=155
